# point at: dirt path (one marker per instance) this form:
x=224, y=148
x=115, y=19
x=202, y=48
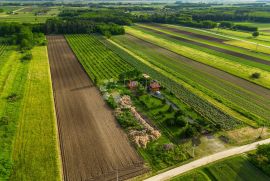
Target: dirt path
x=229, y=52
x=93, y=147
x=206, y=160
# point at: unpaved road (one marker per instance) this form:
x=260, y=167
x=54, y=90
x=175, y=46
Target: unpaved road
x=93, y=147
x=206, y=160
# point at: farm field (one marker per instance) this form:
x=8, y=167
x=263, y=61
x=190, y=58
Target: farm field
x=19, y=91
x=100, y=63
x=236, y=168
x=220, y=36
x=229, y=90
x=218, y=46
x=87, y=126
x=28, y=15
x=240, y=70
x=36, y=152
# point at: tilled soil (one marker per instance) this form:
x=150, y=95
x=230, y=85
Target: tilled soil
x=229, y=52
x=93, y=146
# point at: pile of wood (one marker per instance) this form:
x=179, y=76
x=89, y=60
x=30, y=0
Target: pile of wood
x=140, y=138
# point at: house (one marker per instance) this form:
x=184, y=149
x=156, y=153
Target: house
x=154, y=86
x=132, y=85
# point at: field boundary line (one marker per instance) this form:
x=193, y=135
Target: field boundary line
x=206, y=160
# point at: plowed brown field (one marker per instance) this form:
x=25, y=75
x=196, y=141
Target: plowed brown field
x=93, y=147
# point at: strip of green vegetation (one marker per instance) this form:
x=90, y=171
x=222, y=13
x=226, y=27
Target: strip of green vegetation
x=28, y=141
x=227, y=93
x=212, y=60
x=35, y=150
x=215, y=44
x=100, y=63
x=236, y=168
x=13, y=76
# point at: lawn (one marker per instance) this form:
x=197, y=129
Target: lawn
x=236, y=168
x=224, y=64
x=28, y=141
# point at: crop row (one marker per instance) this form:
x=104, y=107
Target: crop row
x=206, y=109
x=228, y=93
x=224, y=64
x=100, y=63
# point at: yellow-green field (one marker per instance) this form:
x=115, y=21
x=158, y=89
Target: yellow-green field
x=28, y=125
x=231, y=67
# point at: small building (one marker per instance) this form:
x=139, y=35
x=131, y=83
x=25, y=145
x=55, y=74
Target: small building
x=146, y=76
x=154, y=86
x=132, y=85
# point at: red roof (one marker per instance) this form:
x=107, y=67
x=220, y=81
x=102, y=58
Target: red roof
x=154, y=85
x=133, y=84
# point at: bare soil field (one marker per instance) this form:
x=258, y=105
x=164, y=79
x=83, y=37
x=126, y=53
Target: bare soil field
x=219, y=74
x=93, y=146
x=229, y=52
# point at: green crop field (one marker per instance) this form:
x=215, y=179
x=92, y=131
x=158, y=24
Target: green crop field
x=236, y=168
x=29, y=148
x=99, y=62
x=182, y=90
x=225, y=92
x=194, y=36
x=224, y=64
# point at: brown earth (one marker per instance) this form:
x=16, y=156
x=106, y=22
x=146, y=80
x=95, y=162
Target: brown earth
x=229, y=52
x=93, y=146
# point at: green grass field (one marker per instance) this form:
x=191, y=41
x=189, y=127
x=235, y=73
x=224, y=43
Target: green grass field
x=28, y=16
x=27, y=130
x=236, y=168
x=224, y=64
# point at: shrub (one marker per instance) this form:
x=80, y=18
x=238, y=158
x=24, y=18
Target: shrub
x=111, y=102
x=27, y=56
x=12, y=97
x=256, y=75
x=4, y=120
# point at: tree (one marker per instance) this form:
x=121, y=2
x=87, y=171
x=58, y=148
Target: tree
x=256, y=75
x=255, y=34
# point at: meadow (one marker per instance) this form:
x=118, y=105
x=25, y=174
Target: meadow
x=235, y=168
x=29, y=15
x=27, y=115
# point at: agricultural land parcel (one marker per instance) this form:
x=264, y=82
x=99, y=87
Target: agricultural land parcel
x=231, y=91
x=105, y=150
x=235, y=168
x=25, y=86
